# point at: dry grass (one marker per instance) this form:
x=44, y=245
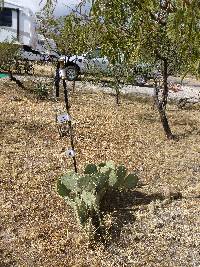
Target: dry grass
x=45, y=69
x=155, y=226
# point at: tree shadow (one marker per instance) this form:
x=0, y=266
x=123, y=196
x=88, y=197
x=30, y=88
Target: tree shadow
x=136, y=97
x=193, y=124
x=186, y=134
x=149, y=118
x=33, y=127
x=120, y=207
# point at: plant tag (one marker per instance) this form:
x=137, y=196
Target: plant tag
x=62, y=73
x=63, y=118
x=70, y=153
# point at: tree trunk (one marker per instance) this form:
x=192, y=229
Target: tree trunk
x=162, y=103
x=117, y=96
x=69, y=124
x=73, y=86
x=12, y=78
x=57, y=80
x=117, y=90
x=165, y=84
x=66, y=96
x=165, y=122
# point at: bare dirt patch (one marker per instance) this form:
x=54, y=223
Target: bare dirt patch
x=156, y=225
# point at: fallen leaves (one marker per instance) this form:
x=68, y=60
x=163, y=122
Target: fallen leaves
x=39, y=229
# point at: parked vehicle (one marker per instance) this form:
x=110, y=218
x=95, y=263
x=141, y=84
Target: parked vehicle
x=90, y=62
x=94, y=61
x=45, y=50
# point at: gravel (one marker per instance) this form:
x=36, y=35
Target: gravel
x=187, y=90
x=190, y=88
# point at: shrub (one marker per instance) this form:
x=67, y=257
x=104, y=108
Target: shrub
x=41, y=91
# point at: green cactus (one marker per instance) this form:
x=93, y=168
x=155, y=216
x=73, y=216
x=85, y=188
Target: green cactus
x=62, y=190
x=102, y=164
x=110, y=164
x=84, y=193
x=89, y=199
x=131, y=181
x=90, y=168
x=105, y=169
x=82, y=213
x=121, y=173
x=87, y=182
x=81, y=210
x=70, y=181
x=112, y=178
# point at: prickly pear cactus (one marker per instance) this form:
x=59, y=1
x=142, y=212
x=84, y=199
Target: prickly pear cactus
x=91, y=168
x=84, y=193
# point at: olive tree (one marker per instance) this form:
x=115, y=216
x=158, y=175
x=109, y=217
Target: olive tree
x=164, y=32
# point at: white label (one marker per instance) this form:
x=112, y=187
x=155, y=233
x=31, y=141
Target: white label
x=63, y=118
x=62, y=73
x=70, y=153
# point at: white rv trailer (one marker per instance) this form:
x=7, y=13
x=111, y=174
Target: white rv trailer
x=18, y=24
x=47, y=46
x=45, y=49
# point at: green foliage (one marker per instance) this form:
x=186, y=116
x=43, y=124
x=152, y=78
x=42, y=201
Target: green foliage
x=41, y=90
x=73, y=34
x=147, y=30
x=8, y=54
x=90, y=168
x=151, y=30
x=84, y=193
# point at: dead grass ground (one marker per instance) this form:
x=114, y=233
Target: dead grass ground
x=156, y=225
x=46, y=69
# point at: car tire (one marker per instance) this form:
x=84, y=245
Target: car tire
x=72, y=73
